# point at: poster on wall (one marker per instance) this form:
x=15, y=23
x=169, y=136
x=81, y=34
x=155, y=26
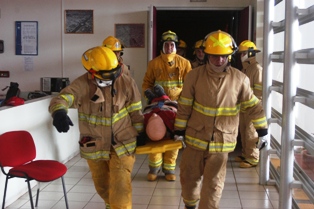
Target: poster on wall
x=131, y=35
x=79, y=21
x=26, y=37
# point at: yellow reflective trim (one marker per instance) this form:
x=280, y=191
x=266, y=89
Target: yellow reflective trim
x=59, y=107
x=190, y=202
x=95, y=155
x=221, y=147
x=258, y=87
x=92, y=119
x=196, y=142
x=134, y=106
x=222, y=111
x=260, y=123
x=169, y=167
x=69, y=98
x=185, y=101
x=180, y=123
x=138, y=126
x=156, y=164
x=170, y=84
x=126, y=148
x=253, y=101
x=212, y=146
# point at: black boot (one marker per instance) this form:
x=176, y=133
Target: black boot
x=159, y=90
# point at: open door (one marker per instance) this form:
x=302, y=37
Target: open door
x=244, y=30
x=152, y=33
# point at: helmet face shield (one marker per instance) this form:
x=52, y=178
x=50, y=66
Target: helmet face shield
x=109, y=75
x=169, y=36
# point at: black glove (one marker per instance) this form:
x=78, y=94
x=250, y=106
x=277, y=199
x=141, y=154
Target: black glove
x=61, y=121
x=262, y=132
x=141, y=139
x=179, y=133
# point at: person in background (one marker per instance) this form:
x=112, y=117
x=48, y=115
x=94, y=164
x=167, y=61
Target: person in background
x=169, y=71
x=208, y=119
x=249, y=136
x=110, y=122
x=182, y=48
x=116, y=46
x=199, y=54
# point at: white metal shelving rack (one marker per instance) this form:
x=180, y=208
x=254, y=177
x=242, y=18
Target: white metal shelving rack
x=291, y=136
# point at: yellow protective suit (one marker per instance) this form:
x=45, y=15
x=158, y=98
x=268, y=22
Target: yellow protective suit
x=169, y=71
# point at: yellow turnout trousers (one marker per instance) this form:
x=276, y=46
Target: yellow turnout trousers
x=112, y=180
x=166, y=160
x=202, y=177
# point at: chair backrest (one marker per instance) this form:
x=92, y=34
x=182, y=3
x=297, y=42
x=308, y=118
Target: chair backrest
x=16, y=148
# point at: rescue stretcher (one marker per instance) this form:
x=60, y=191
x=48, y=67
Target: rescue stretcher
x=161, y=146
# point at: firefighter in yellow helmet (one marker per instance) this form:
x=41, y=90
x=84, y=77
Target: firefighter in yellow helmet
x=116, y=46
x=110, y=123
x=199, y=54
x=208, y=120
x=249, y=136
x=182, y=48
x=169, y=71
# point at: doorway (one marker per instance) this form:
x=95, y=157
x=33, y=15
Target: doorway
x=192, y=25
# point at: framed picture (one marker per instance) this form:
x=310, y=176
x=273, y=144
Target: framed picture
x=131, y=35
x=79, y=21
x=26, y=38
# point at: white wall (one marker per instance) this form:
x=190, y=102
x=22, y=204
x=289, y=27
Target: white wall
x=34, y=117
x=59, y=54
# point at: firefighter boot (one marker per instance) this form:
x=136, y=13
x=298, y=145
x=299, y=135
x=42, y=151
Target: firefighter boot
x=190, y=207
x=152, y=174
x=170, y=177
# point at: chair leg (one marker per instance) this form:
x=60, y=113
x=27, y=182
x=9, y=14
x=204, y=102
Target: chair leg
x=37, y=193
x=30, y=193
x=65, y=193
x=5, y=191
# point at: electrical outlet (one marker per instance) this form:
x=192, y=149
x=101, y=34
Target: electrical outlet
x=4, y=74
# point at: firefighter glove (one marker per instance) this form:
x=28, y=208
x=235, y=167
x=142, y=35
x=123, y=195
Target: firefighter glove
x=141, y=139
x=179, y=136
x=262, y=132
x=61, y=121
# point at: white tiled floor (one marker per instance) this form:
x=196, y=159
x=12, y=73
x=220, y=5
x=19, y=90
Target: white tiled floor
x=241, y=190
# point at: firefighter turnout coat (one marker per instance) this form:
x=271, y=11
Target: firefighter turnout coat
x=105, y=121
x=209, y=108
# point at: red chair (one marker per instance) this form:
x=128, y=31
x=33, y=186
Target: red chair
x=18, y=151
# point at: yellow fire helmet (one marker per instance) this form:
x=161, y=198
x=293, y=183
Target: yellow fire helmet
x=198, y=44
x=169, y=36
x=219, y=43
x=155, y=128
x=112, y=43
x=101, y=62
x=246, y=46
x=182, y=44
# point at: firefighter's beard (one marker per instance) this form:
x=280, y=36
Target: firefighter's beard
x=219, y=69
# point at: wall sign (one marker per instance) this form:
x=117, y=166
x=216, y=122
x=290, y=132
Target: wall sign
x=26, y=37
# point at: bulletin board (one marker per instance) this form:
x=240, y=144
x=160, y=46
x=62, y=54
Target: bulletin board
x=26, y=38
